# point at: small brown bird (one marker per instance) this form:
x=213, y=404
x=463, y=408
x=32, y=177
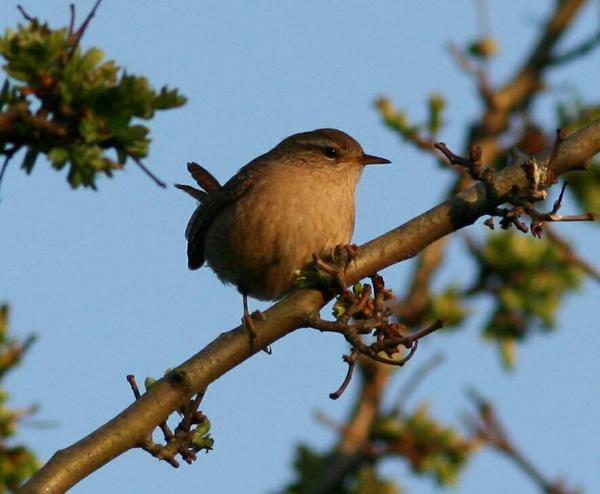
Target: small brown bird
x=265, y=223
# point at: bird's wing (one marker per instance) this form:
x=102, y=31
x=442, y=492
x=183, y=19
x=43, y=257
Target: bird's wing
x=216, y=199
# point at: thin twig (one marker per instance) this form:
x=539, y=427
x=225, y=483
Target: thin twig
x=134, y=387
x=356, y=305
x=25, y=14
x=77, y=35
x=577, y=51
x=351, y=361
x=71, y=20
x=8, y=154
x=189, y=415
x=180, y=442
x=167, y=433
x=524, y=206
x=491, y=430
x=570, y=254
x=483, y=82
x=4, y=166
x=522, y=203
x=158, y=182
x=472, y=164
x=399, y=363
x=409, y=340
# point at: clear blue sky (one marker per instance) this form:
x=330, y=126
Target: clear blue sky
x=102, y=277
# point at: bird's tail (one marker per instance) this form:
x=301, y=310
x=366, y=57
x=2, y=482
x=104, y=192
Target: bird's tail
x=203, y=178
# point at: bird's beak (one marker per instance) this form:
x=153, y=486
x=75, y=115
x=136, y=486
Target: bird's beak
x=368, y=159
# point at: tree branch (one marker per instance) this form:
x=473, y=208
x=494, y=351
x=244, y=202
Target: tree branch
x=126, y=430
x=488, y=427
x=527, y=81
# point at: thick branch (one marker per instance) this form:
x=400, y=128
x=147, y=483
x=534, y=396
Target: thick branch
x=130, y=427
x=527, y=81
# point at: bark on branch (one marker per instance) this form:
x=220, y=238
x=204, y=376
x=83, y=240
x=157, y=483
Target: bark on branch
x=128, y=429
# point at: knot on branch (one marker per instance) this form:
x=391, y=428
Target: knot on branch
x=521, y=202
x=191, y=435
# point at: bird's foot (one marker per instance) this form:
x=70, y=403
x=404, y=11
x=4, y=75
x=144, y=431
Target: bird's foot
x=342, y=256
x=248, y=324
x=345, y=254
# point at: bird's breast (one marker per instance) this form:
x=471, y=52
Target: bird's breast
x=258, y=242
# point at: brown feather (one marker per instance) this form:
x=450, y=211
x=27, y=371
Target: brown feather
x=212, y=205
x=203, y=177
x=197, y=194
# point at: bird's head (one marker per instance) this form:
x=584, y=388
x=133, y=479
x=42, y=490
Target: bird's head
x=326, y=148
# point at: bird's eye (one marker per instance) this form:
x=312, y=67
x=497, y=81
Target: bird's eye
x=330, y=152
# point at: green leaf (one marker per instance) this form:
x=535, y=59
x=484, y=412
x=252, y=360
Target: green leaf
x=84, y=108
x=169, y=98
x=508, y=353
x=149, y=382
x=430, y=447
x=436, y=105
x=58, y=156
x=447, y=306
x=3, y=321
x=526, y=279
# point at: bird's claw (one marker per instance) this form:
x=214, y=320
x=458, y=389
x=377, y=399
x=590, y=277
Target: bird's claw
x=342, y=255
x=248, y=324
x=345, y=254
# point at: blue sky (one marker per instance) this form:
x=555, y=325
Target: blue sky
x=101, y=277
